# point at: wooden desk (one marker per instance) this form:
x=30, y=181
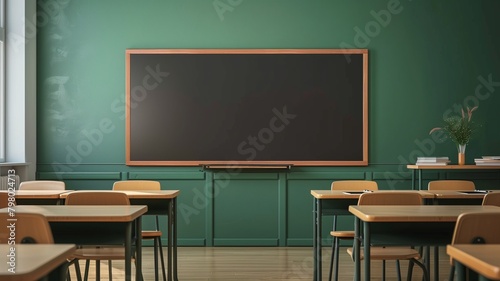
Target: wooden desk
x=159, y=202
x=329, y=202
x=38, y=197
x=456, y=197
x=425, y=225
x=419, y=168
x=95, y=225
x=36, y=261
x=483, y=259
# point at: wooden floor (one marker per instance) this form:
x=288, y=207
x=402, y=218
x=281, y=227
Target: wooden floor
x=259, y=263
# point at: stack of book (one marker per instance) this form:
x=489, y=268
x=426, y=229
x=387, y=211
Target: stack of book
x=488, y=161
x=433, y=161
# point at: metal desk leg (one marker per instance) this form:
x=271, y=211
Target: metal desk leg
x=460, y=271
x=174, y=236
x=366, y=248
x=427, y=259
x=138, y=249
x=317, y=240
x=315, y=244
x=169, y=240
x=128, y=251
x=419, y=179
x=413, y=172
x=357, y=249
x=436, y=263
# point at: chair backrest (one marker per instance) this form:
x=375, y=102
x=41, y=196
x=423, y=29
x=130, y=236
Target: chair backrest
x=29, y=228
x=354, y=185
x=97, y=198
x=4, y=199
x=451, y=185
x=42, y=185
x=137, y=185
x=390, y=198
x=479, y=227
x=492, y=198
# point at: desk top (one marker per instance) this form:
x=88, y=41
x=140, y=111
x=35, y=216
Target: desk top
x=418, y=213
x=483, y=259
x=38, y=194
x=143, y=194
x=83, y=213
x=344, y=194
x=457, y=194
x=452, y=167
x=33, y=261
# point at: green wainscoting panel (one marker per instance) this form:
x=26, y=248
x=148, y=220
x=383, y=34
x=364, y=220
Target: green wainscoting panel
x=246, y=210
x=246, y=242
x=299, y=213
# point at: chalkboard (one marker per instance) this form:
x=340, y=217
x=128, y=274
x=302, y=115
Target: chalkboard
x=304, y=107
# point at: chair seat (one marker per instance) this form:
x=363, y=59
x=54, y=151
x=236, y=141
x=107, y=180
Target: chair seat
x=344, y=234
x=106, y=253
x=389, y=253
x=150, y=234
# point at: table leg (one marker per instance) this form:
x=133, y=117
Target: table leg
x=170, y=239
x=315, y=262
x=419, y=179
x=357, y=249
x=427, y=259
x=436, y=263
x=366, y=248
x=138, y=250
x=413, y=179
x=460, y=271
x=128, y=251
x=317, y=239
x=174, y=238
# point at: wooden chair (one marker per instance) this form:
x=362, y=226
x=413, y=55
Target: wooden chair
x=476, y=228
x=492, y=198
x=393, y=253
x=101, y=252
x=30, y=228
x=4, y=199
x=42, y=185
x=337, y=235
x=155, y=235
x=451, y=185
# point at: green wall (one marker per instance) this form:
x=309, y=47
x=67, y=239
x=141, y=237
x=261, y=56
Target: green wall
x=426, y=58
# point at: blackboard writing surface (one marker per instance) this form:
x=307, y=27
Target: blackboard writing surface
x=294, y=107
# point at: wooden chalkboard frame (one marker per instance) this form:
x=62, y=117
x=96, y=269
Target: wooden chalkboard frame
x=252, y=163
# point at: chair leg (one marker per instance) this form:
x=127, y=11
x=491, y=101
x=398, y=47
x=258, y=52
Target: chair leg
x=410, y=270
x=110, y=270
x=398, y=270
x=332, y=259
x=161, y=250
x=87, y=267
x=383, y=270
x=452, y=273
x=426, y=275
x=78, y=271
x=162, y=259
x=97, y=270
x=155, y=259
x=337, y=250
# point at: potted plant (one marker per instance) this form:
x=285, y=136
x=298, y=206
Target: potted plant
x=459, y=129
